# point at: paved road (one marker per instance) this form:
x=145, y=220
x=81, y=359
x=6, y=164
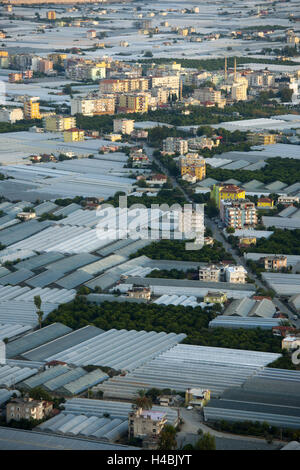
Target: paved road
x=193, y=421
x=218, y=235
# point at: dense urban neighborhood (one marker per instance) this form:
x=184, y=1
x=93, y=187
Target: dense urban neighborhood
x=149, y=225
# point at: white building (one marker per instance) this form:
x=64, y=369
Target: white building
x=235, y=274
x=11, y=115
x=123, y=126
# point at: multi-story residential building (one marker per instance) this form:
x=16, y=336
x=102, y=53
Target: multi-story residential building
x=15, y=77
x=73, y=135
x=45, y=66
x=4, y=60
x=288, y=200
x=223, y=273
x=57, y=58
x=274, y=263
x=265, y=203
x=93, y=106
x=139, y=158
x=199, y=143
x=239, y=89
x=210, y=95
x=31, y=109
x=125, y=85
x=173, y=145
x=263, y=79
x=238, y=214
x=133, y=103
x=59, y=123
x=261, y=138
x=139, y=293
x=51, y=15
x=235, y=274
x=291, y=38
x=27, y=408
x=211, y=273
x=20, y=76
x=196, y=397
x=11, y=115
x=86, y=72
x=223, y=191
x=170, y=82
x=194, y=165
x=124, y=126
x=146, y=423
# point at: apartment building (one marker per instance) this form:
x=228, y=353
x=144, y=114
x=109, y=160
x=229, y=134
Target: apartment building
x=146, y=423
x=93, y=106
x=123, y=126
x=261, y=138
x=210, y=95
x=211, y=273
x=73, y=135
x=197, y=397
x=223, y=273
x=274, y=263
x=27, y=408
x=139, y=293
x=238, y=214
x=133, y=103
x=194, y=165
x=288, y=200
x=11, y=115
x=31, y=109
x=265, y=203
x=20, y=76
x=59, y=123
x=225, y=192
x=239, y=89
x=51, y=15
x=86, y=72
x=45, y=66
x=235, y=274
x=199, y=143
x=170, y=82
x=125, y=85
x=173, y=145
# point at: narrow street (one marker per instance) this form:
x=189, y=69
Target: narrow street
x=218, y=235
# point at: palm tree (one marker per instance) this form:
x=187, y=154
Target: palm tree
x=142, y=401
x=38, y=302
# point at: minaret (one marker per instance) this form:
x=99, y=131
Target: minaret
x=225, y=73
x=180, y=94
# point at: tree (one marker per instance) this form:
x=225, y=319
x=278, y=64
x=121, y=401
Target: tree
x=286, y=95
x=38, y=302
x=142, y=401
x=167, y=438
x=206, y=442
